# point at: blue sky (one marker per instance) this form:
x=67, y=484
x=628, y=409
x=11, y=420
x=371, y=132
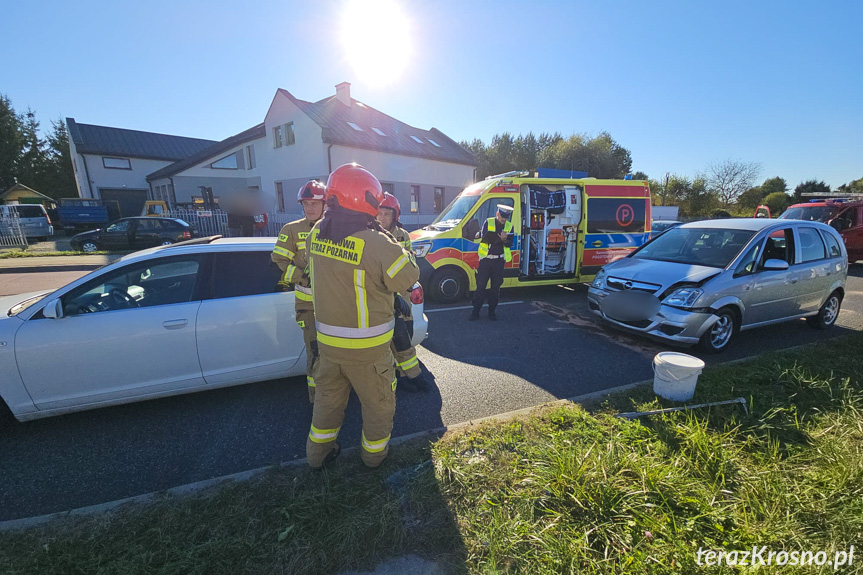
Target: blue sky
x=680, y=84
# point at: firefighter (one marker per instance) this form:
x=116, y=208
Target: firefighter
x=290, y=255
x=494, y=251
x=356, y=268
x=407, y=363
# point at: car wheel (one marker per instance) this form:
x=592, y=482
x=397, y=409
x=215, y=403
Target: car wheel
x=448, y=285
x=166, y=243
x=717, y=338
x=827, y=314
x=89, y=247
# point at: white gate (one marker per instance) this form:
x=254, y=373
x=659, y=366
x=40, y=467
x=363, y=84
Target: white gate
x=11, y=234
x=208, y=223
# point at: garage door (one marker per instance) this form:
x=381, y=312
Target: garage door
x=131, y=202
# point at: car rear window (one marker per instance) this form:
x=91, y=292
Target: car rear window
x=810, y=214
x=30, y=211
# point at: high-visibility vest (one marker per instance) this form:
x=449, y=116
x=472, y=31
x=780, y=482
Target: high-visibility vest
x=484, y=247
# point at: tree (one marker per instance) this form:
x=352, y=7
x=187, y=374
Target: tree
x=810, y=187
x=11, y=143
x=59, y=181
x=778, y=202
x=730, y=178
x=852, y=187
x=600, y=157
x=32, y=166
x=753, y=197
x=700, y=200
x=773, y=185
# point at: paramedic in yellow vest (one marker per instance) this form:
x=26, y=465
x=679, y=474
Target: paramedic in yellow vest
x=407, y=363
x=356, y=267
x=290, y=255
x=494, y=250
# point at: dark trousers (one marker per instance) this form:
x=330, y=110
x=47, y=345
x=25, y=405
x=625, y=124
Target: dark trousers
x=488, y=269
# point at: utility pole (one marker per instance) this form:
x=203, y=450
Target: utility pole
x=665, y=190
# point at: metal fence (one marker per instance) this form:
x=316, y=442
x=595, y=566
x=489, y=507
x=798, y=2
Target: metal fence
x=11, y=234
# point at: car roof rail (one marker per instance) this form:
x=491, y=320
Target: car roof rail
x=519, y=173
x=194, y=241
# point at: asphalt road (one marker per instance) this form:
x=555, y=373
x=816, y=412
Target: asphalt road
x=546, y=346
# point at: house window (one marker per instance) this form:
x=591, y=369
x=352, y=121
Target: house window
x=280, y=196
x=250, y=153
x=415, y=199
x=116, y=163
x=433, y=143
x=277, y=136
x=171, y=197
x=388, y=188
x=354, y=126
x=378, y=131
x=290, y=139
x=438, y=200
x=226, y=163
x=417, y=140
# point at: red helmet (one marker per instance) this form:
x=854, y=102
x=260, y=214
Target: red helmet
x=312, y=190
x=391, y=202
x=356, y=189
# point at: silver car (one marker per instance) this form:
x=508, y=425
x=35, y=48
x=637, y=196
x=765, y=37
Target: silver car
x=702, y=282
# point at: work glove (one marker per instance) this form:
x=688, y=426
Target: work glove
x=401, y=307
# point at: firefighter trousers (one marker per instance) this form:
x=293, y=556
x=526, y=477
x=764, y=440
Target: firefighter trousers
x=407, y=362
x=375, y=384
x=306, y=321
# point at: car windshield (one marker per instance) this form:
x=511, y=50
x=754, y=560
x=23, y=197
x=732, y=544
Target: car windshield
x=810, y=214
x=710, y=247
x=456, y=210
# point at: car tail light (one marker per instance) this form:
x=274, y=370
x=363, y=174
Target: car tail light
x=187, y=235
x=417, y=296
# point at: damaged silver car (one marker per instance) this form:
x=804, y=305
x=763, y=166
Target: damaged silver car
x=703, y=282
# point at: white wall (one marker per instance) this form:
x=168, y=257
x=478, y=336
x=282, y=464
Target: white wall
x=396, y=168
x=305, y=159
x=101, y=177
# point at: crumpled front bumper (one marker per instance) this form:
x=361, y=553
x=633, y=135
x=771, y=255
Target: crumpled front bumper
x=671, y=324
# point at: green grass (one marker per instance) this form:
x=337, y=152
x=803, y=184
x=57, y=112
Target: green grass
x=565, y=490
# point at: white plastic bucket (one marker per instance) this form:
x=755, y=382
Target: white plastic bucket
x=675, y=375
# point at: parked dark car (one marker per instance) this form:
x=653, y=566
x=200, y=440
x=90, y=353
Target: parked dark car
x=134, y=234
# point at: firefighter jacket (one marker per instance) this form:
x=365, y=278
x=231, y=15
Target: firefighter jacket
x=290, y=255
x=353, y=282
x=491, y=244
x=403, y=237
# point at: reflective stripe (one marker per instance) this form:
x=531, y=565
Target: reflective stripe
x=283, y=252
x=362, y=302
x=289, y=272
x=323, y=435
x=397, y=266
x=355, y=332
x=301, y=296
x=301, y=245
x=409, y=363
x=394, y=385
x=310, y=381
x=283, y=238
x=354, y=343
x=375, y=446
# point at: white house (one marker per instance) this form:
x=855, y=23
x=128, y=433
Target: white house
x=300, y=140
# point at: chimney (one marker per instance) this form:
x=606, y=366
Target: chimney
x=343, y=93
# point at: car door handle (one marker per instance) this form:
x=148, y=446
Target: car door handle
x=175, y=323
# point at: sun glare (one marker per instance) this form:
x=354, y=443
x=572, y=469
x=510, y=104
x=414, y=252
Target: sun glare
x=376, y=38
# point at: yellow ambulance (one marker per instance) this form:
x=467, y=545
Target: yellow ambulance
x=564, y=230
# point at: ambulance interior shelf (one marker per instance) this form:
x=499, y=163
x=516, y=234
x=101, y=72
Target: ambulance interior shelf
x=551, y=216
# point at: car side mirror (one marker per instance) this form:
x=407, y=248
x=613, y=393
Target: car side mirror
x=775, y=265
x=53, y=309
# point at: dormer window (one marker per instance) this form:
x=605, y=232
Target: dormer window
x=417, y=140
x=226, y=163
x=354, y=126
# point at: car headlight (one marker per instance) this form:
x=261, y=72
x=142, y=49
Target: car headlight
x=598, y=280
x=683, y=297
x=420, y=250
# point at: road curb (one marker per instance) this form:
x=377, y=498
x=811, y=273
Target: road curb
x=188, y=488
